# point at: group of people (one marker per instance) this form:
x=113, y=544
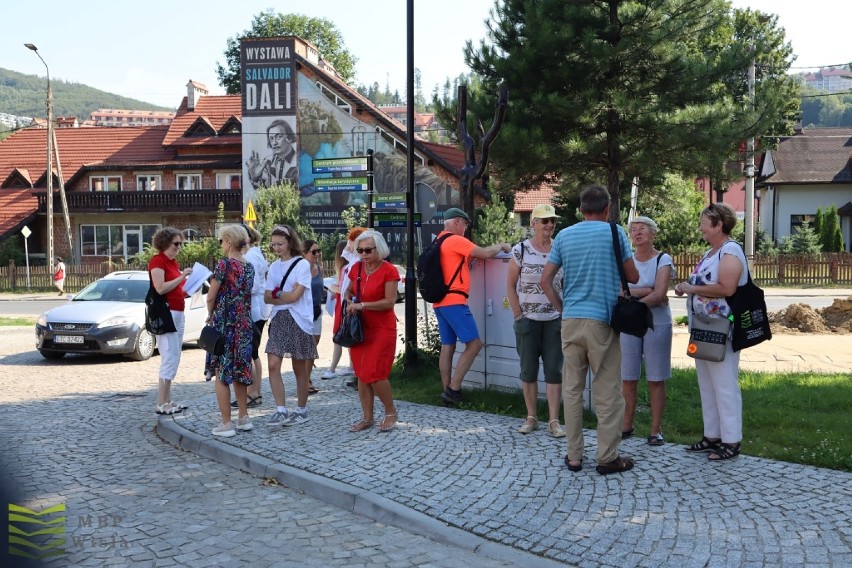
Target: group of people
x=246, y=292
x=561, y=290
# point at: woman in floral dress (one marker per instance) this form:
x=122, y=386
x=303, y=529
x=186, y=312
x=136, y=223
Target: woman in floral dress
x=229, y=306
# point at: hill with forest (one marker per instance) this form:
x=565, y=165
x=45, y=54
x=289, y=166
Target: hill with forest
x=25, y=95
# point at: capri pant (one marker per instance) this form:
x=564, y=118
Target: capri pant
x=655, y=348
x=169, y=345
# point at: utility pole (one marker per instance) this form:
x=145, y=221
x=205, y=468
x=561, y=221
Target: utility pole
x=50, y=258
x=749, y=172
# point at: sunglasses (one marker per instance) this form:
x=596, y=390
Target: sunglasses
x=177, y=243
x=313, y=252
x=220, y=241
x=547, y=221
x=278, y=244
x=366, y=250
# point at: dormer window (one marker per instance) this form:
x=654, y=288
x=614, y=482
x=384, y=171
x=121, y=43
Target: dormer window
x=105, y=183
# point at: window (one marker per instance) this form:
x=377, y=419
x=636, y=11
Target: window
x=188, y=181
x=796, y=221
x=228, y=181
x=148, y=183
x=114, y=240
x=190, y=235
x=105, y=183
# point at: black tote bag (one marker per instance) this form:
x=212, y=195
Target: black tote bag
x=158, y=317
x=751, y=320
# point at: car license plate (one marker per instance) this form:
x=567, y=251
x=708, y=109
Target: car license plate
x=68, y=339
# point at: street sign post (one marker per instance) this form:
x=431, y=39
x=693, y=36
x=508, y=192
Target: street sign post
x=26, y=232
x=395, y=219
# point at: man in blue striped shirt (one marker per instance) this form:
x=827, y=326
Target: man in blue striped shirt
x=590, y=291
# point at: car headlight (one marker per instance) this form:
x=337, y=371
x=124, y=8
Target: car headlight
x=42, y=320
x=115, y=321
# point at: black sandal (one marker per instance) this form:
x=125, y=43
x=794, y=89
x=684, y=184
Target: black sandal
x=725, y=452
x=705, y=444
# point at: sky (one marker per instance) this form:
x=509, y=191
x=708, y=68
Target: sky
x=148, y=51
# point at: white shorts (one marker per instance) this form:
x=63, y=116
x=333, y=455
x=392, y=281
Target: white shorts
x=318, y=326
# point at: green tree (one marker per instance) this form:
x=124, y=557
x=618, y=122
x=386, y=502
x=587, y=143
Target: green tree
x=615, y=89
x=830, y=235
x=12, y=250
x=675, y=205
x=494, y=225
x=819, y=220
x=279, y=205
x=804, y=241
x=319, y=31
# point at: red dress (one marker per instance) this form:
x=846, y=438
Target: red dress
x=372, y=359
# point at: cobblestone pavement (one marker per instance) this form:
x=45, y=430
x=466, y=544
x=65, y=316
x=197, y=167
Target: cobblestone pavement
x=81, y=432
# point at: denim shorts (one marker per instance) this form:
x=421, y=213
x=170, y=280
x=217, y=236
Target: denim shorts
x=536, y=340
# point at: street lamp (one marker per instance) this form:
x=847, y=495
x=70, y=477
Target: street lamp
x=50, y=260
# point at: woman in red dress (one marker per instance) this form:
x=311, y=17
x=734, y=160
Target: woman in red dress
x=372, y=293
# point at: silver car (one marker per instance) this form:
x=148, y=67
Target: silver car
x=108, y=316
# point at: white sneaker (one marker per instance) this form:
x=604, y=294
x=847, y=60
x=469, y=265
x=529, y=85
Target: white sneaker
x=225, y=430
x=345, y=371
x=244, y=424
x=328, y=374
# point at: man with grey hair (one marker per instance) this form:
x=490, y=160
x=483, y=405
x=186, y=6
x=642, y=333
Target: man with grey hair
x=591, y=286
x=455, y=321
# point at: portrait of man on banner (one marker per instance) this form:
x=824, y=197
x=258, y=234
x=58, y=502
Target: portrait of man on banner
x=280, y=165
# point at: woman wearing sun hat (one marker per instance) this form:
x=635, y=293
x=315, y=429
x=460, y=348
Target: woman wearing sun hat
x=537, y=323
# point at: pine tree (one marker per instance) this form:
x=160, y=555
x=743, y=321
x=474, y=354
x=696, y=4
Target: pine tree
x=818, y=223
x=830, y=234
x=805, y=241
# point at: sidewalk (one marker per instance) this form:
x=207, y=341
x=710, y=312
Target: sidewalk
x=468, y=479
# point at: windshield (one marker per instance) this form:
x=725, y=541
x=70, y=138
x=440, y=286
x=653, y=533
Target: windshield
x=114, y=291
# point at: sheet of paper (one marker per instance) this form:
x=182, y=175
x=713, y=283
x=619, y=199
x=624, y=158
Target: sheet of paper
x=200, y=274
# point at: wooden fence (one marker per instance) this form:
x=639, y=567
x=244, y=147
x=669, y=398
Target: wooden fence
x=833, y=269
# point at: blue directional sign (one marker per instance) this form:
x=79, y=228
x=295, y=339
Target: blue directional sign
x=335, y=165
x=389, y=201
x=341, y=184
x=394, y=219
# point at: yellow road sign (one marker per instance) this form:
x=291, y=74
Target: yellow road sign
x=250, y=215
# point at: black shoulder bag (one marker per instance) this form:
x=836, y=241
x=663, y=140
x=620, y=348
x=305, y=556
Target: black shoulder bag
x=350, y=331
x=629, y=315
x=751, y=320
x=158, y=316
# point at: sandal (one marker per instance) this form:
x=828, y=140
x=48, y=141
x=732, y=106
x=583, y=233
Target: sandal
x=705, y=444
x=179, y=406
x=390, y=425
x=168, y=409
x=251, y=401
x=725, y=452
x=656, y=440
x=528, y=426
x=627, y=434
x=556, y=431
x=361, y=425
x=312, y=390
x=617, y=465
x=576, y=467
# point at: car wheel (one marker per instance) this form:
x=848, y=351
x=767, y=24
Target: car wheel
x=51, y=354
x=144, y=346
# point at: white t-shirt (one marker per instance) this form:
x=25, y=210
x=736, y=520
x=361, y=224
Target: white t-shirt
x=302, y=310
x=260, y=310
x=534, y=304
x=707, y=272
x=648, y=277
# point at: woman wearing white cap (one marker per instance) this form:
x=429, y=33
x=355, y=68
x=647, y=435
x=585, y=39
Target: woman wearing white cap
x=537, y=323
x=656, y=270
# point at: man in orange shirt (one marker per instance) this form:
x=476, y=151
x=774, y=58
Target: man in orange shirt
x=455, y=321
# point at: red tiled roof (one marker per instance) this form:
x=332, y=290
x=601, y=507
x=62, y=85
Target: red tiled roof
x=817, y=155
x=27, y=148
x=216, y=109
x=452, y=155
x=16, y=207
x=528, y=200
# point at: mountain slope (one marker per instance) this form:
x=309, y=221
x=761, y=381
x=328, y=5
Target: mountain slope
x=26, y=95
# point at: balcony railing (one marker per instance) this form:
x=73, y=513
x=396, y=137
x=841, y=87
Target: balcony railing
x=200, y=200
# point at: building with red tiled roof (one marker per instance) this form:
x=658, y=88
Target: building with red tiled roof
x=128, y=117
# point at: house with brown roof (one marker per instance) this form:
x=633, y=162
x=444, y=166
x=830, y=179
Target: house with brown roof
x=122, y=184
x=807, y=171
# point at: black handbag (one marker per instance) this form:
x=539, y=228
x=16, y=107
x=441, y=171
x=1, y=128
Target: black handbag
x=212, y=340
x=351, y=331
x=158, y=316
x=629, y=315
x=751, y=320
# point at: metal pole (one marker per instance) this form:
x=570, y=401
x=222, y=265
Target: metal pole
x=749, y=171
x=50, y=259
x=410, y=275
x=370, y=188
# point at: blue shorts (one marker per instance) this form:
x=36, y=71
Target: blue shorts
x=456, y=323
